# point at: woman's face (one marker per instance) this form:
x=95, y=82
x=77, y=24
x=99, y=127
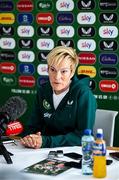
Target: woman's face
x=60, y=76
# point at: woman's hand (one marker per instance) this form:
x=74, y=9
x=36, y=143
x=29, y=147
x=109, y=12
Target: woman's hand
x=32, y=140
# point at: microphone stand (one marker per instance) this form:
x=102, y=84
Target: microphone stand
x=5, y=153
x=4, y=119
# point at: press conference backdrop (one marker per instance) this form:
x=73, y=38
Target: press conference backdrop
x=30, y=29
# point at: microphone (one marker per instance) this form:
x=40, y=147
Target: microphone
x=14, y=108
x=14, y=128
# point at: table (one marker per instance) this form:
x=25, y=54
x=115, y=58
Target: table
x=24, y=157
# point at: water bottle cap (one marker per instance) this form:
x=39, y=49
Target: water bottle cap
x=99, y=135
x=100, y=131
x=87, y=131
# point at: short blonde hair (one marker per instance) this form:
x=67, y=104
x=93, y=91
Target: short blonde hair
x=59, y=53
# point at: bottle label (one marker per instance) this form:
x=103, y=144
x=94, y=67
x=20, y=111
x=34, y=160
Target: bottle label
x=87, y=146
x=99, y=149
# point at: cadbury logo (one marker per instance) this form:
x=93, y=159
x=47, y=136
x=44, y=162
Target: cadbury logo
x=108, y=59
x=6, y=5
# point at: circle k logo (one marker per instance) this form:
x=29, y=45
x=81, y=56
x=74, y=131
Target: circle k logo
x=7, y=67
x=45, y=18
x=108, y=86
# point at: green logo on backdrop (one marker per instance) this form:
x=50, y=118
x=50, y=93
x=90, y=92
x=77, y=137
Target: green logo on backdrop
x=44, y=5
x=8, y=80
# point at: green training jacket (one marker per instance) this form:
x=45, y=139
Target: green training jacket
x=63, y=126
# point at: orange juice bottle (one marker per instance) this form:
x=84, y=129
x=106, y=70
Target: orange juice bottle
x=99, y=156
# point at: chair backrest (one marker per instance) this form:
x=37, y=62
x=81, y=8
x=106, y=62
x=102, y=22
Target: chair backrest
x=105, y=119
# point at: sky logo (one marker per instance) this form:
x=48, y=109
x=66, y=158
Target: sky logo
x=7, y=43
x=26, y=56
x=64, y=5
x=42, y=69
x=65, y=31
x=108, y=31
x=86, y=18
x=25, y=31
x=86, y=45
x=45, y=44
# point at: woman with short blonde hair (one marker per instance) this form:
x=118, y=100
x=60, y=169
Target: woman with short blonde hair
x=64, y=106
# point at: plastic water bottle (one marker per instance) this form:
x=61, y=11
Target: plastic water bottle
x=87, y=151
x=99, y=155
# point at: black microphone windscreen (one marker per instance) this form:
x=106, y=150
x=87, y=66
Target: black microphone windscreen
x=15, y=107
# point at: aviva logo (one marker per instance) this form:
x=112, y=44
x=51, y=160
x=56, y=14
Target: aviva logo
x=7, y=18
